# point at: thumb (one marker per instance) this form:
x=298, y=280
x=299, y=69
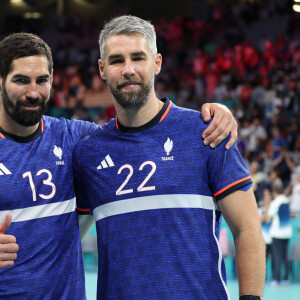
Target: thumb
x=205, y=111
x=6, y=223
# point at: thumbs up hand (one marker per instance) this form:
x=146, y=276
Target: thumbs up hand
x=8, y=244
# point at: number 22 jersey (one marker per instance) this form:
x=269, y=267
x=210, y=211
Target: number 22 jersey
x=153, y=192
x=37, y=187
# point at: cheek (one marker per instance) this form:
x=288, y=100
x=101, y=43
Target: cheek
x=45, y=91
x=15, y=92
x=112, y=76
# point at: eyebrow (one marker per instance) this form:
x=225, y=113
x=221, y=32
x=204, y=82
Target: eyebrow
x=17, y=76
x=118, y=56
x=140, y=53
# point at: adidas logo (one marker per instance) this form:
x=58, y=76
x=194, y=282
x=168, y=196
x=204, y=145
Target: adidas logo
x=105, y=163
x=4, y=170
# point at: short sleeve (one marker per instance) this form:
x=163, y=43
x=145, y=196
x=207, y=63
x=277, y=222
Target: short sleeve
x=227, y=171
x=80, y=129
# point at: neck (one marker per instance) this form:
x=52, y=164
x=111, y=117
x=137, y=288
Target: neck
x=136, y=118
x=12, y=127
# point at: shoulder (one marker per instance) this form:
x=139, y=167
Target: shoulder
x=280, y=199
x=95, y=137
x=72, y=127
x=185, y=116
x=283, y=199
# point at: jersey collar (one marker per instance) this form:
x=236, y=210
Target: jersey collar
x=21, y=139
x=157, y=119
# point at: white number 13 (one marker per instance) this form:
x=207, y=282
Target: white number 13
x=45, y=182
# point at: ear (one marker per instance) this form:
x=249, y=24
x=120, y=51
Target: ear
x=158, y=62
x=101, y=69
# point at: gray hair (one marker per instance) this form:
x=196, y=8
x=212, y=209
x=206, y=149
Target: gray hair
x=128, y=25
x=278, y=187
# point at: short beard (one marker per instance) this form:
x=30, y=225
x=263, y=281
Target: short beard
x=132, y=99
x=23, y=117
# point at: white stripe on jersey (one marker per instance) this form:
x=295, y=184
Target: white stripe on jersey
x=41, y=211
x=153, y=202
x=220, y=256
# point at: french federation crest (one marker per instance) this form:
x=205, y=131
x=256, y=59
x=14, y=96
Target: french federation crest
x=168, y=146
x=57, y=152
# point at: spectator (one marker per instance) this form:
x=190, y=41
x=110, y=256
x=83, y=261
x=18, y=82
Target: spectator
x=266, y=223
x=257, y=138
x=294, y=186
x=281, y=232
x=258, y=179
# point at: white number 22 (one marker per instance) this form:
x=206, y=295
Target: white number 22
x=45, y=182
x=141, y=187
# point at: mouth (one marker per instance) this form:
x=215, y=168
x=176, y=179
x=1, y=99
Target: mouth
x=31, y=106
x=128, y=85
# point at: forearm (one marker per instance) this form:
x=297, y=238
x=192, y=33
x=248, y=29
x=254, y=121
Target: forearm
x=289, y=162
x=250, y=262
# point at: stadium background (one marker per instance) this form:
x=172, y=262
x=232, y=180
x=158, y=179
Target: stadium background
x=244, y=54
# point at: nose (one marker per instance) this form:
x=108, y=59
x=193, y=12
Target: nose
x=129, y=69
x=32, y=91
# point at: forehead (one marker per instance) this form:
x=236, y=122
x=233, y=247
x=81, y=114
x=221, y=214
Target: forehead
x=31, y=66
x=122, y=44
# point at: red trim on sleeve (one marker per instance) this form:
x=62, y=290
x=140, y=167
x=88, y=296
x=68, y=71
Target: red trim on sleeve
x=166, y=112
x=83, y=209
x=230, y=185
x=1, y=135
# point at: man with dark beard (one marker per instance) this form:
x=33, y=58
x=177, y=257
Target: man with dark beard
x=156, y=192
x=36, y=186
x=37, y=198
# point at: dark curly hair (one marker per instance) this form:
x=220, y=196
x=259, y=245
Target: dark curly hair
x=19, y=45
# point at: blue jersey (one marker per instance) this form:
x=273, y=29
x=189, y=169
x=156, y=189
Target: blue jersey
x=153, y=191
x=37, y=187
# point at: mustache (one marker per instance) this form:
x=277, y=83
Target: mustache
x=31, y=101
x=123, y=82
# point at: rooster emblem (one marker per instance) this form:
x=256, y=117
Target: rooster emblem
x=57, y=152
x=168, y=146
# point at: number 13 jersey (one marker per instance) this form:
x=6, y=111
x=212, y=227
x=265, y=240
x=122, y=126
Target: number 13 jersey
x=37, y=187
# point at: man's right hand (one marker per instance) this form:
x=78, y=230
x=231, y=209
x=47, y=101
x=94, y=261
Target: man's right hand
x=8, y=244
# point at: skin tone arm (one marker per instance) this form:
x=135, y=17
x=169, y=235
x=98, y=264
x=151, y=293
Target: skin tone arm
x=241, y=214
x=86, y=222
x=8, y=245
x=222, y=124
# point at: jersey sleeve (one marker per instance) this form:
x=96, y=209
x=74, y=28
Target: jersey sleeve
x=80, y=129
x=227, y=171
x=83, y=207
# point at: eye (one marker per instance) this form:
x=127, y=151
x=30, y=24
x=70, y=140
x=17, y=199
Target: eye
x=42, y=80
x=138, y=58
x=21, y=80
x=116, y=61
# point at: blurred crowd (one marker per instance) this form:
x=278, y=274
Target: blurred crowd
x=207, y=60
